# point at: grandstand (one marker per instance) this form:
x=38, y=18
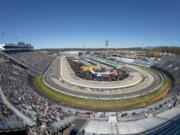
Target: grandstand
x=172, y=66
x=36, y=61
x=14, y=81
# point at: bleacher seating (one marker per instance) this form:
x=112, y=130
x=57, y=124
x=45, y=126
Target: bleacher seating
x=18, y=89
x=170, y=65
x=37, y=61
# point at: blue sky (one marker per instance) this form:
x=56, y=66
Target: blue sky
x=74, y=23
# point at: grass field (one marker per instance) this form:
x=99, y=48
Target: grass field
x=93, y=104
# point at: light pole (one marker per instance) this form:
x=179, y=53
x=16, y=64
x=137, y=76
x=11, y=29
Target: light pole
x=106, y=45
x=2, y=35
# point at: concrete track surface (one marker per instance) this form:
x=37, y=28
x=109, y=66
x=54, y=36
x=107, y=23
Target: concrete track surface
x=60, y=77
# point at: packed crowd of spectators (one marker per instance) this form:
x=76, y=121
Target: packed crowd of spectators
x=8, y=119
x=16, y=86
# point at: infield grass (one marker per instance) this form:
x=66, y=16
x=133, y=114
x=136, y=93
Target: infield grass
x=111, y=104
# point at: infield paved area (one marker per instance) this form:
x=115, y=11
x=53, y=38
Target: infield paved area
x=68, y=75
